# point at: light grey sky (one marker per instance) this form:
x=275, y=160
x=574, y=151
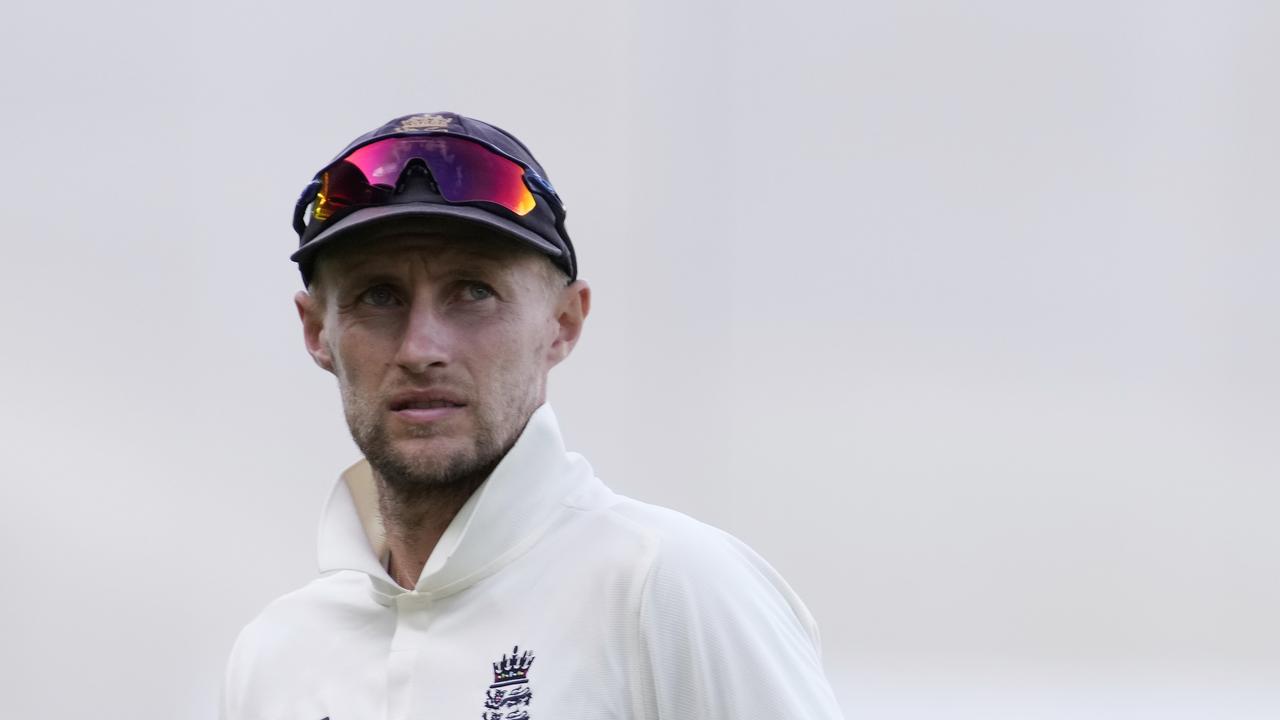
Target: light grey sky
x=961, y=314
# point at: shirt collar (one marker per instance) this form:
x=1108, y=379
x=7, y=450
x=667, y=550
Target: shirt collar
x=501, y=519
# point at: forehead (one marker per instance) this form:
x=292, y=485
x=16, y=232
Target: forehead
x=436, y=247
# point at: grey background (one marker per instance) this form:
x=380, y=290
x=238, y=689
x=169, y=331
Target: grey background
x=962, y=314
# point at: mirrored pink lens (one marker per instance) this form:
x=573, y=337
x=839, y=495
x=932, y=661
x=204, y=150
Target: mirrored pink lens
x=465, y=171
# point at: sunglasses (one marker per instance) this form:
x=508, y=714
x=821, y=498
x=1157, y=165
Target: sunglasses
x=462, y=170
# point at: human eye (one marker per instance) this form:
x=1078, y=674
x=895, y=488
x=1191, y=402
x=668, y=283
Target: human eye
x=379, y=296
x=476, y=291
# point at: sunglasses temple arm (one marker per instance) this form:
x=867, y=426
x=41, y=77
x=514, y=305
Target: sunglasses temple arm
x=300, y=209
x=557, y=209
x=541, y=186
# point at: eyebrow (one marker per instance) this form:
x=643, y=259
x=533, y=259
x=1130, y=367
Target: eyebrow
x=486, y=269
x=366, y=277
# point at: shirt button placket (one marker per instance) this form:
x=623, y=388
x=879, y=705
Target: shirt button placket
x=413, y=617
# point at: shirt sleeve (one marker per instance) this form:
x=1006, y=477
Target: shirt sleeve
x=238, y=702
x=725, y=638
x=230, y=706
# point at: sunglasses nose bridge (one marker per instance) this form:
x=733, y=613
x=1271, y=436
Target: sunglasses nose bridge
x=416, y=177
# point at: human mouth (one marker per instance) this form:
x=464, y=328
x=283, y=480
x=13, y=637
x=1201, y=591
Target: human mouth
x=426, y=406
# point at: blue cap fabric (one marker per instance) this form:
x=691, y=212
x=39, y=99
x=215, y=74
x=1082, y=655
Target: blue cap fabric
x=542, y=228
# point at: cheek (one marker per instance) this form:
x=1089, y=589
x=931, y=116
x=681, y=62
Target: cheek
x=513, y=352
x=529, y=351
x=359, y=355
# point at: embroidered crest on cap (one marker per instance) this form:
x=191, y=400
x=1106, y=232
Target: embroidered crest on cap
x=423, y=123
x=509, y=696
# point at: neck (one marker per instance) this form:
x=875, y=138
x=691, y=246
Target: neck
x=414, y=521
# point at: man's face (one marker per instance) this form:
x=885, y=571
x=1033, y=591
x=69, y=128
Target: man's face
x=441, y=342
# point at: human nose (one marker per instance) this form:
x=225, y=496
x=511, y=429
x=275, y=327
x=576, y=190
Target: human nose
x=426, y=340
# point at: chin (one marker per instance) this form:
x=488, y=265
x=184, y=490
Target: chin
x=433, y=450
x=421, y=464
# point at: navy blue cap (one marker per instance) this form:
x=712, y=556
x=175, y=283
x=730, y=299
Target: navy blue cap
x=542, y=228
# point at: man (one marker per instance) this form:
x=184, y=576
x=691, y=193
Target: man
x=471, y=567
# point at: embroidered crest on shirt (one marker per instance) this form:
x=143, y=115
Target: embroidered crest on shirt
x=509, y=696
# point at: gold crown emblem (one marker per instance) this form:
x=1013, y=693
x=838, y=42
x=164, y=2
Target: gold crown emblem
x=423, y=123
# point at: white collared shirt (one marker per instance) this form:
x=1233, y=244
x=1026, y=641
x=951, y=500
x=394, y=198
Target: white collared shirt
x=548, y=597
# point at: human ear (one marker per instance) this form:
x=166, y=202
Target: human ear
x=311, y=312
x=572, y=306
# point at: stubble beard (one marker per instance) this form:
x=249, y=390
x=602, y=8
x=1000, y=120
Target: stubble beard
x=421, y=477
